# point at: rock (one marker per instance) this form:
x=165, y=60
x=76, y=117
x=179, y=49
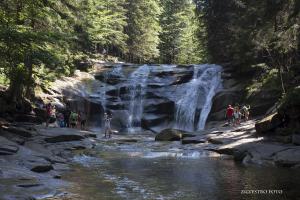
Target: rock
x=193, y=140
x=159, y=106
x=37, y=164
x=172, y=135
x=29, y=118
x=42, y=168
x=222, y=100
x=296, y=139
x=116, y=106
x=112, y=79
x=29, y=185
x=7, y=147
x=150, y=120
x=41, y=113
x=18, y=131
x=183, y=77
x=269, y=123
x=215, y=140
x=288, y=158
x=119, y=119
x=64, y=138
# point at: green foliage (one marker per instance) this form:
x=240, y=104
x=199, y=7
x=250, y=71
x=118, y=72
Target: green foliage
x=179, y=41
x=143, y=29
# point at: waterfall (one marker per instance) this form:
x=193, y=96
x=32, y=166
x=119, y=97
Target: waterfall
x=156, y=97
x=137, y=90
x=195, y=96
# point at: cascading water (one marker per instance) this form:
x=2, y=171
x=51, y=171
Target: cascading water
x=156, y=97
x=137, y=88
x=196, y=95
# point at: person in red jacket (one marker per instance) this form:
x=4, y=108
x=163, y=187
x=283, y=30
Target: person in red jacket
x=229, y=114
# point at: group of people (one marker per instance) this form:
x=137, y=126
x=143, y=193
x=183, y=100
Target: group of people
x=236, y=114
x=67, y=118
x=72, y=119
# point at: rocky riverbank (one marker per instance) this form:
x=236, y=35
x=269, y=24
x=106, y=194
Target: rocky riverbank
x=242, y=143
x=33, y=158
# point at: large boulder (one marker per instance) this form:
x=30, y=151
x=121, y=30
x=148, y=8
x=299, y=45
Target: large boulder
x=268, y=124
x=172, y=135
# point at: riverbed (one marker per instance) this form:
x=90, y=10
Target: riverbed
x=137, y=167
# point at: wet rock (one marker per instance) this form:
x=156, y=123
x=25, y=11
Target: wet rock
x=222, y=100
x=296, y=139
x=29, y=118
x=18, y=131
x=119, y=119
x=159, y=106
x=215, y=140
x=288, y=158
x=150, y=120
x=183, y=77
x=193, y=140
x=268, y=124
x=172, y=135
x=116, y=106
x=38, y=165
x=7, y=147
x=64, y=138
x=112, y=79
x=29, y=185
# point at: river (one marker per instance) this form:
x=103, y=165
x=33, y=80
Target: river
x=126, y=169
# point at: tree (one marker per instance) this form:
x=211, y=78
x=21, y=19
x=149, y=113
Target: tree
x=30, y=33
x=143, y=30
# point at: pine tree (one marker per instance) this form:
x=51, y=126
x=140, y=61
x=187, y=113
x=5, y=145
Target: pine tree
x=143, y=29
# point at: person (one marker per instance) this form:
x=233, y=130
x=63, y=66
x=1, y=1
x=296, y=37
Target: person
x=67, y=114
x=79, y=120
x=229, y=114
x=237, y=115
x=61, y=119
x=107, y=130
x=246, y=112
x=48, y=113
x=73, y=119
x=83, y=121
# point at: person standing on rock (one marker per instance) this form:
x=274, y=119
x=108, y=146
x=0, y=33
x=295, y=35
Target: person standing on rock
x=67, y=114
x=229, y=114
x=48, y=113
x=246, y=112
x=83, y=121
x=73, y=119
x=107, y=127
x=237, y=116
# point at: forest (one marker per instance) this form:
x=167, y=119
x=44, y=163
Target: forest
x=41, y=40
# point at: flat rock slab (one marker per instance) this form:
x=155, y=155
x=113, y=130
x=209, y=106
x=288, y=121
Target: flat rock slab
x=18, y=131
x=7, y=147
x=64, y=138
x=288, y=158
x=193, y=140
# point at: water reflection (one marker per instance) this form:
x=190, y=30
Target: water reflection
x=145, y=173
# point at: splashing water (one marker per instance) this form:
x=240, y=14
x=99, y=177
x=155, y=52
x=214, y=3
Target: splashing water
x=197, y=95
x=137, y=87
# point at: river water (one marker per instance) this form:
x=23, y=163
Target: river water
x=125, y=169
